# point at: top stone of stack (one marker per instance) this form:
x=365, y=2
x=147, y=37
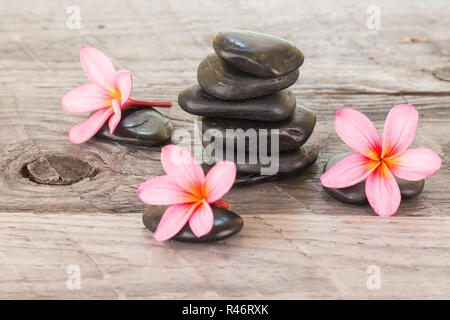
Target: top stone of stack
x=248, y=65
x=259, y=54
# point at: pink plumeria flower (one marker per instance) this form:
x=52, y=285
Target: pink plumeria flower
x=107, y=94
x=380, y=160
x=187, y=191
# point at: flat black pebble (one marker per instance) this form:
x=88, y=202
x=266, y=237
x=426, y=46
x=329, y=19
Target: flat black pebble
x=140, y=125
x=222, y=80
x=226, y=224
x=274, y=107
x=293, y=131
x=260, y=54
x=291, y=163
x=356, y=194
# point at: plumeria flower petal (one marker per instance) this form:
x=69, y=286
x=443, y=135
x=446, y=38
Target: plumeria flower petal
x=358, y=132
x=399, y=129
x=115, y=119
x=380, y=161
x=88, y=128
x=220, y=179
x=124, y=83
x=382, y=191
x=415, y=164
x=164, y=190
x=86, y=98
x=182, y=167
x=173, y=220
x=187, y=191
x=108, y=93
x=349, y=171
x=98, y=67
x=202, y=220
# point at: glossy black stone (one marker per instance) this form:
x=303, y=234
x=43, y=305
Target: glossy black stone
x=274, y=107
x=260, y=54
x=290, y=164
x=223, y=81
x=140, y=125
x=292, y=132
x=356, y=194
x=226, y=224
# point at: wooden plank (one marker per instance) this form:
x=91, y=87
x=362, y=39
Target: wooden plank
x=274, y=257
x=163, y=42
x=122, y=168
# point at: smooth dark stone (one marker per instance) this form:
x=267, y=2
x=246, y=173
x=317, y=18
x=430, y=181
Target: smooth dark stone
x=140, y=125
x=260, y=54
x=223, y=81
x=274, y=107
x=293, y=131
x=226, y=224
x=356, y=194
x=291, y=163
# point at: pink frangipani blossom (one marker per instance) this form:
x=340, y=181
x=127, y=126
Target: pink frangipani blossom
x=107, y=94
x=187, y=191
x=378, y=160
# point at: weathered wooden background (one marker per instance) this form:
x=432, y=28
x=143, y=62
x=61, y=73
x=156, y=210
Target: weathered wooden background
x=297, y=241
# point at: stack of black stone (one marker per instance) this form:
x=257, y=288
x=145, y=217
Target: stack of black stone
x=243, y=86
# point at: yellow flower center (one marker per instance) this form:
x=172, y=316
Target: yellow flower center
x=117, y=94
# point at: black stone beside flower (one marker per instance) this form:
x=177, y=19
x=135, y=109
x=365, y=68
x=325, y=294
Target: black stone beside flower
x=226, y=224
x=143, y=126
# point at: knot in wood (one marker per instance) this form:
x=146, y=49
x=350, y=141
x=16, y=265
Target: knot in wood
x=57, y=170
x=442, y=73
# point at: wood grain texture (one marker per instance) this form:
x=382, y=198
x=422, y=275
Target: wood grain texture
x=297, y=241
x=274, y=257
